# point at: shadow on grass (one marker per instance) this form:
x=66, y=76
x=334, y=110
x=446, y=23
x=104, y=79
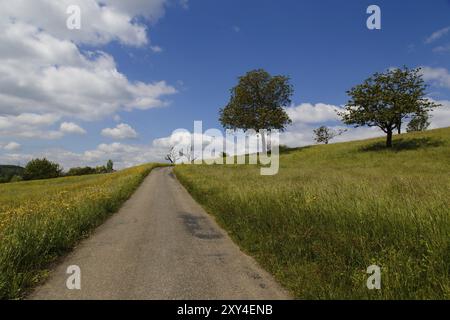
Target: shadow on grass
x=404, y=144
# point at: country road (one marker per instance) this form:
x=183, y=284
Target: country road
x=160, y=245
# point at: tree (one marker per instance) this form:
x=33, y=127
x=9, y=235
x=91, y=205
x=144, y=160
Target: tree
x=257, y=103
x=16, y=178
x=101, y=169
x=80, y=171
x=325, y=134
x=419, y=122
x=173, y=155
x=109, y=166
x=41, y=169
x=385, y=99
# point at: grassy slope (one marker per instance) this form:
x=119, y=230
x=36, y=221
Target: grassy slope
x=41, y=220
x=334, y=210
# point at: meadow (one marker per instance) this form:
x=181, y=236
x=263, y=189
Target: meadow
x=333, y=210
x=42, y=220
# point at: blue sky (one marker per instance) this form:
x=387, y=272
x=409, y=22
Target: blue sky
x=324, y=46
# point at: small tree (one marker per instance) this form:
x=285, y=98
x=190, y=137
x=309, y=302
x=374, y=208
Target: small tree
x=16, y=178
x=257, y=103
x=419, y=122
x=109, y=166
x=385, y=99
x=41, y=169
x=325, y=134
x=101, y=169
x=173, y=155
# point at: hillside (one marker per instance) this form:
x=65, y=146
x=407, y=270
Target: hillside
x=334, y=210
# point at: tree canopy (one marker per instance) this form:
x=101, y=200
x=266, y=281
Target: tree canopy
x=257, y=102
x=41, y=169
x=385, y=99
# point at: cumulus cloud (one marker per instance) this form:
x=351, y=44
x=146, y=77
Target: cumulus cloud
x=123, y=155
x=29, y=125
x=12, y=146
x=437, y=76
x=121, y=131
x=313, y=113
x=440, y=117
x=101, y=21
x=44, y=72
x=70, y=127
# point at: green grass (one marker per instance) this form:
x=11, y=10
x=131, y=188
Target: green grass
x=334, y=210
x=42, y=220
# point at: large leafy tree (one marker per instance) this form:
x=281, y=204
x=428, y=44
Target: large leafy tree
x=41, y=169
x=385, y=99
x=257, y=103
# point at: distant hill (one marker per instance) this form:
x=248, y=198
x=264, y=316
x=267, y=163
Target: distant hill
x=8, y=171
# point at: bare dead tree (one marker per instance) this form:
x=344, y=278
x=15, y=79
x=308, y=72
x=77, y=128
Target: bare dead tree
x=173, y=155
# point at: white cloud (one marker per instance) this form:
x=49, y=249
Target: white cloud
x=307, y=117
x=437, y=35
x=12, y=146
x=44, y=72
x=442, y=49
x=156, y=49
x=313, y=113
x=437, y=76
x=29, y=125
x=101, y=21
x=121, y=131
x=440, y=117
x=70, y=127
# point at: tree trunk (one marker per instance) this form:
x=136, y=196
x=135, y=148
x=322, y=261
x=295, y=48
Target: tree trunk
x=389, y=139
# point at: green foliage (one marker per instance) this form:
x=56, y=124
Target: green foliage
x=324, y=134
x=109, y=166
x=101, y=169
x=257, y=102
x=333, y=210
x=81, y=171
x=385, y=99
x=16, y=178
x=420, y=122
x=7, y=172
x=38, y=169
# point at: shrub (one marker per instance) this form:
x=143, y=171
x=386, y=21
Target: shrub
x=38, y=169
x=81, y=171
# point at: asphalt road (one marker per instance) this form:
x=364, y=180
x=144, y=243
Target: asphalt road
x=160, y=245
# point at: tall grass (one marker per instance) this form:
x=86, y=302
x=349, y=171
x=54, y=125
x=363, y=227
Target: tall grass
x=41, y=220
x=334, y=210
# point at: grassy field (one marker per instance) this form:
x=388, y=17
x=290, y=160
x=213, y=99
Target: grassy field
x=41, y=220
x=334, y=210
